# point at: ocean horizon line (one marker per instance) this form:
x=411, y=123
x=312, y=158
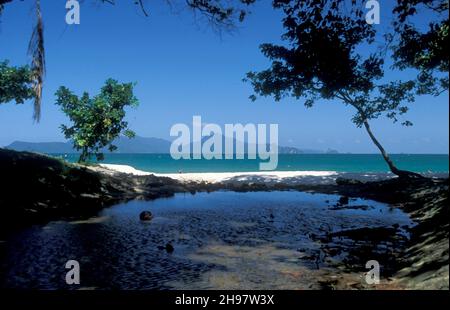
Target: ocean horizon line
x=301, y=154
x=353, y=163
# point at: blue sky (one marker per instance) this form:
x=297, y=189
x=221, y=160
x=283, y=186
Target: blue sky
x=183, y=69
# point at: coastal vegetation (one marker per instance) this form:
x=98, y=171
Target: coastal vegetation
x=97, y=121
x=15, y=83
x=220, y=15
x=323, y=59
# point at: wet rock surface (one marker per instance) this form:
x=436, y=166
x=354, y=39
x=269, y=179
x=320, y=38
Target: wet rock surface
x=145, y=216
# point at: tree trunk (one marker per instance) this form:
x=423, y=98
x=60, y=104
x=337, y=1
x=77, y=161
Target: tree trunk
x=84, y=155
x=392, y=167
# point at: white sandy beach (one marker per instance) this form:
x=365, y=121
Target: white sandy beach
x=223, y=177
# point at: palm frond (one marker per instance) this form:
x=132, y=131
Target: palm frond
x=37, y=52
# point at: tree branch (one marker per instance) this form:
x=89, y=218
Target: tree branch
x=143, y=8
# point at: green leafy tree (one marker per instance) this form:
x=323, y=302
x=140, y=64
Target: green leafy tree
x=424, y=48
x=331, y=53
x=37, y=52
x=15, y=83
x=220, y=14
x=97, y=121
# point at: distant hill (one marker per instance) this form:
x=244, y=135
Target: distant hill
x=142, y=145
x=124, y=145
x=281, y=149
x=41, y=147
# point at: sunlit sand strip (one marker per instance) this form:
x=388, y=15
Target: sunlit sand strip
x=214, y=177
x=260, y=176
x=125, y=169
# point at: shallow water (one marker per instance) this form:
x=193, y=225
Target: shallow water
x=359, y=163
x=257, y=240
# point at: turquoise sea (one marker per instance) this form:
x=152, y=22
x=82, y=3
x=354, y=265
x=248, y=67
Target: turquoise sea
x=163, y=163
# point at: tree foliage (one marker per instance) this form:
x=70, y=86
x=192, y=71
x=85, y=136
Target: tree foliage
x=425, y=48
x=96, y=121
x=220, y=14
x=332, y=53
x=15, y=83
x=321, y=60
x=2, y=4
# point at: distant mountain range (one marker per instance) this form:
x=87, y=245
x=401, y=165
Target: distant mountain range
x=136, y=145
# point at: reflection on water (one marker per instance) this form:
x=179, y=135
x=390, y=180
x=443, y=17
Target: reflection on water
x=259, y=240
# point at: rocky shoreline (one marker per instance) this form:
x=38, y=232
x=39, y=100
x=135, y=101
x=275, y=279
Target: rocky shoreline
x=36, y=189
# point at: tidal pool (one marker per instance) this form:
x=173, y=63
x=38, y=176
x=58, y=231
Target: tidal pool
x=221, y=240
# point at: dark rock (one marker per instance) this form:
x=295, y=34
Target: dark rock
x=328, y=285
x=357, y=207
x=343, y=200
x=145, y=216
x=169, y=248
x=344, y=181
x=366, y=233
